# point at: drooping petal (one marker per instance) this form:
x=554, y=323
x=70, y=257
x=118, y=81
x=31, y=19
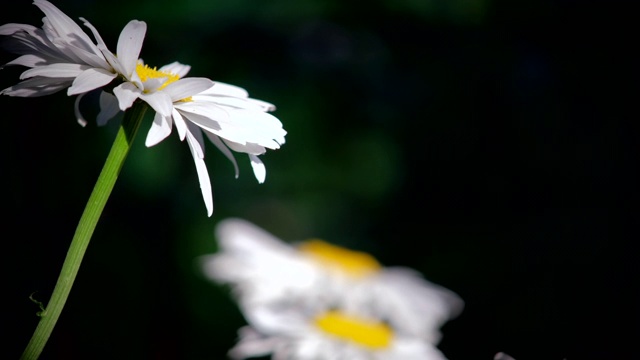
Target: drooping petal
x=203, y=175
x=160, y=129
x=259, y=170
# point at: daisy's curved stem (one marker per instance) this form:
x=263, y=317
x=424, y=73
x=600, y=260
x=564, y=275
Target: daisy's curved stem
x=84, y=231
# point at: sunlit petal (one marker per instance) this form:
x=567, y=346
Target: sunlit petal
x=203, y=175
x=259, y=169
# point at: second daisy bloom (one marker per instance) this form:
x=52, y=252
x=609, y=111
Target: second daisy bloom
x=280, y=284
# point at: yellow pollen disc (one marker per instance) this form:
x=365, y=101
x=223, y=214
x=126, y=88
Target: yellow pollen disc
x=371, y=334
x=145, y=73
x=354, y=263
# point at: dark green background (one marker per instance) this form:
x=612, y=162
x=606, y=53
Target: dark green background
x=491, y=145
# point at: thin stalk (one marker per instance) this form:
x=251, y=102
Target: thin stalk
x=99, y=196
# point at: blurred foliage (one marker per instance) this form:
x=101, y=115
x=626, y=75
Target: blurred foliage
x=490, y=145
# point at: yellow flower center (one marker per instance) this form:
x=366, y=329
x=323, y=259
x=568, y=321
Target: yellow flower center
x=354, y=263
x=145, y=73
x=365, y=332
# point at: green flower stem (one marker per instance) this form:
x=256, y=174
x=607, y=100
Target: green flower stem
x=84, y=231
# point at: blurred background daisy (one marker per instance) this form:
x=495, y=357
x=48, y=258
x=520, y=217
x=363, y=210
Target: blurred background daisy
x=316, y=300
x=489, y=145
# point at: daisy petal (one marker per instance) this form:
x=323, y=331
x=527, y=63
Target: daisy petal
x=90, y=79
x=248, y=148
x=28, y=60
x=160, y=101
x=108, y=108
x=130, y=44
x=37, y=86
x=160, y=129
x=203, y=175
x=181, y=126
x=126, y=93
x=55, y=71
x=76, y=109
x=192, y=131
x=259, y=170
x=185, y=88
x=12, y=28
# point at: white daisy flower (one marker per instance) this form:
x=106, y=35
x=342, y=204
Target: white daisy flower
x=61, y=55
x=224, y=113
x=295, y=334
x=264, y=271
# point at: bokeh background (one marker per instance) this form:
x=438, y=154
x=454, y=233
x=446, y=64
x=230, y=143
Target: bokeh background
x=491, y=145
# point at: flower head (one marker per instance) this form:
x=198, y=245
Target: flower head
x=264, y=271
x=61, y=55
x=223, y=113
